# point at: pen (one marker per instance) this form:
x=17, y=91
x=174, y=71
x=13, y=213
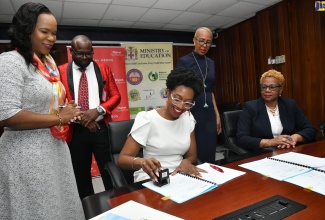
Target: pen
x=62, y=106
x=216, y=168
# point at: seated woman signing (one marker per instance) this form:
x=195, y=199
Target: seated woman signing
x=165, y=134
x=271, y=120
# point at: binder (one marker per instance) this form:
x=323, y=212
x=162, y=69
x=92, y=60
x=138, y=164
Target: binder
x=183, y=187
x=300, y=169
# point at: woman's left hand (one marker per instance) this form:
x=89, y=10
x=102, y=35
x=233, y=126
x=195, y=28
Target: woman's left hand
x=287, y=141
x=187, y=167
x=219, y=129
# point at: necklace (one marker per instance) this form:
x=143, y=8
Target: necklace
x=274, y=111
x=203, y=78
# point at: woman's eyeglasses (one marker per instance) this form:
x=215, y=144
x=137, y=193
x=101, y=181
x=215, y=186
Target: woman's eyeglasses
x=271, y=87
x=202, y=42
x=81, y=55
x=176, y=101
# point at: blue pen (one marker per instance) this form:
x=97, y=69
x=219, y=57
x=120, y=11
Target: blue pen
x=62, y=106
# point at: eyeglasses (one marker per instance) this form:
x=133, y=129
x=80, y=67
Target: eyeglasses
x=202, y=42
x=271, y=87
x=81, y=55
x=176, y=101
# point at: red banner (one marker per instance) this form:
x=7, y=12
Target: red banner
x=114, y=57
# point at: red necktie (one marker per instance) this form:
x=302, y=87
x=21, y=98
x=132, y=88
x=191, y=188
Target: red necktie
x=83, y=91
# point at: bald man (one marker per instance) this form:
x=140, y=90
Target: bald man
x=93, y=87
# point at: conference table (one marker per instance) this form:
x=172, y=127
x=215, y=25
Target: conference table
x=228, y=197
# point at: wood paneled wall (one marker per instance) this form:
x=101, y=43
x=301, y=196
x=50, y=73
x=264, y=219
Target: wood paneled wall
x=291, y=28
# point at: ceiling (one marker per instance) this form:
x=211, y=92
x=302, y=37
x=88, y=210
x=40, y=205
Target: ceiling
x=173, y=15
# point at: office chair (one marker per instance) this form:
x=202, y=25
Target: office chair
x=118, y=132
x=228, y=106
x=322, y=128
x=225, y=107
x=229, y=121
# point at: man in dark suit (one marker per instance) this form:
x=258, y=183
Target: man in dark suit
x=93, y=87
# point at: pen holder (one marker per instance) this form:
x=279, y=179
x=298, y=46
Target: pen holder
x=163, y=177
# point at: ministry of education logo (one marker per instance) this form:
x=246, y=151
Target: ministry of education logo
x=134, y=76
x=153, y=76
x=319, y=5
x=134, y=95
x=163, y=93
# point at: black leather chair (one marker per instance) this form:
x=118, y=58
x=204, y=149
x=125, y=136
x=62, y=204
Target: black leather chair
x=118, y=132
x=322, y=128
x=229, y=121
x=225, y=107
x=228, y=106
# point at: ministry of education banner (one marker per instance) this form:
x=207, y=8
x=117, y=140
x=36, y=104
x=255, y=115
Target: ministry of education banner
x=147, y=68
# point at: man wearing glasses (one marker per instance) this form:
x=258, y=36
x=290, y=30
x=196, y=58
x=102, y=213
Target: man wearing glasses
x=92, y=86
x=205, y=111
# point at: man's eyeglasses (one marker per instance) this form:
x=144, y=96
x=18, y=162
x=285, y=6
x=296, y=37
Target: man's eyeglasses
x=271, y=87
x=176, y=101
x=202, y=42
x=81, y=55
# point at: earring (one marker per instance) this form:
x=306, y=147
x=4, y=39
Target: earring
x=280, y=95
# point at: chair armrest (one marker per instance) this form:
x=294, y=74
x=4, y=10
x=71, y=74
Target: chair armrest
x=235, y=148
x=116, y=175
x=322, y=127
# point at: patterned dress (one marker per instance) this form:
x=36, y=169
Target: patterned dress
x=36, y=174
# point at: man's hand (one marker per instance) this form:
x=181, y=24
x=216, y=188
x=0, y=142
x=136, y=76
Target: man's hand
x=89, y=116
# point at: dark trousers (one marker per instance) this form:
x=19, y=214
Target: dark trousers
x=83, y=144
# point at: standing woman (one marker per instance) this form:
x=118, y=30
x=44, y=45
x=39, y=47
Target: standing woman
x=36, y=175
x=205, y=111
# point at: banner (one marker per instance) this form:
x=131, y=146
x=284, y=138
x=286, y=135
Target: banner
x=147, y=68
x=114, y=57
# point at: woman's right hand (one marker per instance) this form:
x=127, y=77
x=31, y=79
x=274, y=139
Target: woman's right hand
x=70, y=113
x=151, y=167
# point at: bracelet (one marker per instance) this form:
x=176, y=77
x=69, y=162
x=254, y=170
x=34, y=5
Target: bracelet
x=133, y=162
x=60, y=119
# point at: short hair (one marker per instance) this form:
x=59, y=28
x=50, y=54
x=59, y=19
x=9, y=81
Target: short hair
x=203, y=28
x=275, y=74
x=184, y=76
x=22, y=26
x=82, y=38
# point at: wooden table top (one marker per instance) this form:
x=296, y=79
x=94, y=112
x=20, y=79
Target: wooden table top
x=237, y=193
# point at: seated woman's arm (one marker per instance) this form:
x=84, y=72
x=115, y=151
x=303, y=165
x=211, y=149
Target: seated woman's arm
x=127, y=159
x=190, y=160
x=244, y=138
x=306, y=132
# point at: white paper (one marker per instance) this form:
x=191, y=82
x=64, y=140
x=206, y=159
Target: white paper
x=217, y=176
x=275, y=169
x=313, y=180
x=134, y=211
x=301, y=159
x=181, y=188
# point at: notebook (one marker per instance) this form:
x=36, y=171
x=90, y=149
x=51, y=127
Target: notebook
x=183, y=187
x=285, y=166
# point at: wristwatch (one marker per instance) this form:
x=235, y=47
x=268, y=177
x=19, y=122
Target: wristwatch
x=100, y=110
